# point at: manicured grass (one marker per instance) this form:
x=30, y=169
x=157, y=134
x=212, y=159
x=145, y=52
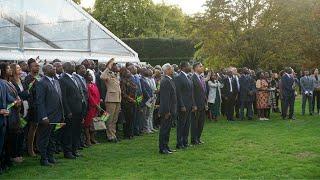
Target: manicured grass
x=248, y=149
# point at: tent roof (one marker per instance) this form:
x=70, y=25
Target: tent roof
x=56, y=29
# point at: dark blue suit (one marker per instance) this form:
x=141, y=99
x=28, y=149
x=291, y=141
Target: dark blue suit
x=168, y=104
x=229, y=95
x=200, y=101
x=288, y=93
x=5, y=99
x=185, y=99
x=49, y=105
x=72, y=101
x=246, y=95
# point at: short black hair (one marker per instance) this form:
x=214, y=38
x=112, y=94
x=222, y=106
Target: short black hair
x=184, y=64
x=196, y=64
x=78, y=67
x=56, y=60
x=3, y=70
x=30, y=61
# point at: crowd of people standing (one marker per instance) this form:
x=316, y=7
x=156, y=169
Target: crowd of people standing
x=51, y=108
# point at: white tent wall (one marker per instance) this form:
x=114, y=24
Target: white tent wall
x=56, y=29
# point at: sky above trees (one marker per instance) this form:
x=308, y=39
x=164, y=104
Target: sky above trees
x=188, y=6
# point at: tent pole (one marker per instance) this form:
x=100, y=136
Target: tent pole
x=22, y=18
x=89, y=38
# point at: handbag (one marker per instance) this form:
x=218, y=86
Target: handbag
x=99, y=124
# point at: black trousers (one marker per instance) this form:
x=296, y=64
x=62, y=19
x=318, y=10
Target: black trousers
x=183, y=127
x=229, y=107
x=129, y=115
x=237, y=106
x=45, y=140
x=164, y=134
x=316, y=100
x=288, y=104
x=246, y=105
x=197, y=123
x=15, y=143
x=71, y=134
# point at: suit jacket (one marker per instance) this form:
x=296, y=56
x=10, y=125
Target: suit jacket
x=5, y=99
x=49, y=100
x=226, y=90
x=147, y=92
x=84, y=93
x=101, y=86
x=168, y=97
x=184, y=89
x=307, y=84
x=287, y=85
x=112, y=82
x=247, y=88
x=71, y=96
x=28, y=81
x=199, y=93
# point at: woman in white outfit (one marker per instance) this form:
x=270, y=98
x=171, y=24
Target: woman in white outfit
x=214, y=97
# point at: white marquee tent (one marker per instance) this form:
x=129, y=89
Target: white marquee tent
x=56, y=29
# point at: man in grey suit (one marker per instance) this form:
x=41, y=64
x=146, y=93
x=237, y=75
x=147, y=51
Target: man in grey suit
x=168, y=107
x=307, y=87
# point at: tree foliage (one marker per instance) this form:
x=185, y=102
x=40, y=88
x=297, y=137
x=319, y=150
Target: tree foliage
x=258, y=33
x=140, y=18
x=77, y=1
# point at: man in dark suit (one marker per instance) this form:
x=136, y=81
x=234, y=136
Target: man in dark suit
x=184, y=89
x=79, y=76
x=50, y=110
x=246, y=94
x=229, y=95
x=200, y=103
x=288, y=93
x=73, y=111
x=168, y=107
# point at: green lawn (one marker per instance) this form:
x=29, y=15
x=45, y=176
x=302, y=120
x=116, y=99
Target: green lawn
x=249, y=149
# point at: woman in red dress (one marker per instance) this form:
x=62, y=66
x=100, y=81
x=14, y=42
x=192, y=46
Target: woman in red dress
x=93, y=103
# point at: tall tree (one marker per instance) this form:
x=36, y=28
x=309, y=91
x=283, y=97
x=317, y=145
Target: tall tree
x=139, y=18
x=258, y=33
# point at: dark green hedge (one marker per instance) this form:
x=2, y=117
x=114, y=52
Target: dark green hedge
x=162, y=50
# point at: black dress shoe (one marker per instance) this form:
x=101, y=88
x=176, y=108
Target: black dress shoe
x=77, y=154
x=186, y=145
x=165, y=152
x=180, y=147
x=45, y=162
x=69, y=156
x=194, y=143
x=200, y=142
x=171, y=150
x=52, y=160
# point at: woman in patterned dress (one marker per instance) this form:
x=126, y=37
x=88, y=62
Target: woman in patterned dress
x=128, y=102
x=262, y=97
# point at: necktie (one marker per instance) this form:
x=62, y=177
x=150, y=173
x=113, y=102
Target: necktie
x=55, y=86
x=203, y=84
